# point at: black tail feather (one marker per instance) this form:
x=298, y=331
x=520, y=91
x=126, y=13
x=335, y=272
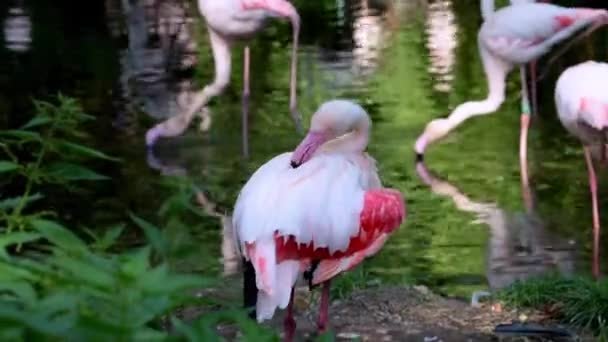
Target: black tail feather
x=250, y=290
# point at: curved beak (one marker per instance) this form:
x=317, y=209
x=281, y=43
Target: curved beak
x=307, y=148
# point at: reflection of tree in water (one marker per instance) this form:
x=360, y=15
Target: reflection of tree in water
x=157, y=57
x=519, y=247
x=441, y=42
x=17, y=28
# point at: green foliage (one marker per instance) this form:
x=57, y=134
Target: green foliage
x=56, y=286
x=46, y=150
x=583, y=302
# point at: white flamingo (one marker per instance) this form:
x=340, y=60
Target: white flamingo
x=320, y=210
x=582, y=106
x=512, y=36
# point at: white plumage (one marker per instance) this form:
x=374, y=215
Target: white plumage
x=315, y=206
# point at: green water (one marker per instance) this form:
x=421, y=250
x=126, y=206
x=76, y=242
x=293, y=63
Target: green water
x=438, y=245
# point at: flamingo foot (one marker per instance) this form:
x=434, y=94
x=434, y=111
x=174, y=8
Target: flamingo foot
x=152, y=136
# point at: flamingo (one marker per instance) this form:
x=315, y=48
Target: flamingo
x=320, y=210
x=513, y=35
x=229, y=21
x=582, y=106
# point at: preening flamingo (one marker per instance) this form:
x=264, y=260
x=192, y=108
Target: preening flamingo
x=229, y=21
x=320, y=210
x=582, y=106
x=513, y=35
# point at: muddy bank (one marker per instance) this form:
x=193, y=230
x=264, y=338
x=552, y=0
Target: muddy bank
x=396, y=313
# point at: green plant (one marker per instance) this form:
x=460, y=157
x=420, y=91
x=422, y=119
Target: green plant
x=44, y=151
x=55, y=286
x=582, y=301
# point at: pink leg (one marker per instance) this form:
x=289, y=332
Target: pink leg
x=596, y=213
x=533, y=87
x=324, y=308
x=245, y=109
x=289, y=324
x=523, y=141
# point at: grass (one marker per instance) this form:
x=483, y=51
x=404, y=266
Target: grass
x=582, y=302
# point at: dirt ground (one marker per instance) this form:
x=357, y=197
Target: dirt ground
x=403, y=314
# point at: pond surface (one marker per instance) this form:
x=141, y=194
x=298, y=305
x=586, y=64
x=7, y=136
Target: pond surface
x=406, y=63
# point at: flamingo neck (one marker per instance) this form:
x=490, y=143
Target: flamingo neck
x=353, y=142
x=487, y=8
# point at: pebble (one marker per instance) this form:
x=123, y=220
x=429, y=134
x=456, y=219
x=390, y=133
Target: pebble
x=422, y=289
x=349, y=335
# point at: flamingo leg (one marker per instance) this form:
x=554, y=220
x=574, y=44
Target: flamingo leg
x=177, y=124
x=324, y=308
x=289, y=324
x=533, y=87
x=523, y=141
x=245, y=109
x=596, y=212
x=250, y=289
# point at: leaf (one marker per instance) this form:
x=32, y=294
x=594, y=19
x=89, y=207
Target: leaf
x=6, y=166
x=137, y=263
x=159, y=280
x=72, y=172
x=23, y=291
x=23, y=135
x=15, y=271
x=86, y=151
x=15, y=238
x=109, y=238
x=83, y=274
x=152, y=234
x=37, y=121
x=58, y=235
x=13, y=202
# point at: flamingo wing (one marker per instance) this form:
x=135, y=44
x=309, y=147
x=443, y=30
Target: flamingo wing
x=383, y=212
x=327, y=208
x=524, y=32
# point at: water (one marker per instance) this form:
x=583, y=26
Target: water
x=406, y=63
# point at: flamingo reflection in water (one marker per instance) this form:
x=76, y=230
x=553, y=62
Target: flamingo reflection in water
x=229, y=21
x=513, y=36
x=519, y=247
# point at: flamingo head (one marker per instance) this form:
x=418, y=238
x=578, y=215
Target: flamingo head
x=275, y=8
x=434, y=130
x=332, y=120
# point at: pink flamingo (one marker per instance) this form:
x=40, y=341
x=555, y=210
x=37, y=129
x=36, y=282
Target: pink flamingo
x=320, y=210
x=513, y=35
x=582, y=107
x=229, y=21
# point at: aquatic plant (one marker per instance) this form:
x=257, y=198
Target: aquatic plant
x=579, y=301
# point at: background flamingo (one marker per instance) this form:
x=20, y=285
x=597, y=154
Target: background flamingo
x=320, y=209
x=582, y=106
x=229, y=21
x=513, y=35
